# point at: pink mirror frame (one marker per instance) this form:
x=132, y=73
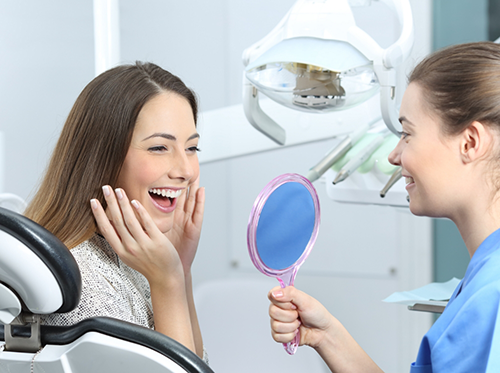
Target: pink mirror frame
x=286, y=277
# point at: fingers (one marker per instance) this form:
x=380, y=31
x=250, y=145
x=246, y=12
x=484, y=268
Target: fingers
x=199, y=207
x=284, y=315
x=312, y=314
x=128, y=227
x=284, y=298
x=192, y=197
x=121, y=214
x=192, y=204
x=104, y=224
x=187, y=200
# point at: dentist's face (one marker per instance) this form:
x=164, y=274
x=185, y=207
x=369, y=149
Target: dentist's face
x=162, y=160
x=428, y=157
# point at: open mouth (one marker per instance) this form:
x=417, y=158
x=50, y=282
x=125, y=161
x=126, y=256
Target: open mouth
x=165, y=198
x=409, y=180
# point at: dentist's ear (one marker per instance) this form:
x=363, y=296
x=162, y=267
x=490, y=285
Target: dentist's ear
x=476, y=142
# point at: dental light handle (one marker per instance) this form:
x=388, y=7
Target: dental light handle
x=257, y=118
x=358, y=159
x=337, y=152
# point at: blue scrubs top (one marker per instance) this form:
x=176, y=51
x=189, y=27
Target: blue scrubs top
x=466, y=337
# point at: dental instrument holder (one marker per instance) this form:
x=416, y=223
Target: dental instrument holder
x=282, y=229
x=338, y=152
x=358, y=159
x=334, y=19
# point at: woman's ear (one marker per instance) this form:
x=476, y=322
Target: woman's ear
x=476, y=142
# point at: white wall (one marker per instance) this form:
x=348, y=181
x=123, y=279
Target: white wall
x=48, y=57
x=46, y=50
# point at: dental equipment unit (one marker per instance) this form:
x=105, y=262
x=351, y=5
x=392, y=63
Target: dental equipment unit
x=393, y=180
x=318, y=60
x=337, y=152
x=358, y=159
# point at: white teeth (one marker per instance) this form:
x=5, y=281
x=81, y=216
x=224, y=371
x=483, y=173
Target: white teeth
x=166, y=192
x=408, y=180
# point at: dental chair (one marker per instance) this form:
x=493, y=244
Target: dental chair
x=38, y=275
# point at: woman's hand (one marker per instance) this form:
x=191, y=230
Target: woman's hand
x=136, y=239
x=186, y=230
x=292, y=309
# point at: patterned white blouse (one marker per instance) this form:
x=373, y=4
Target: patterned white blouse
x=109, y=288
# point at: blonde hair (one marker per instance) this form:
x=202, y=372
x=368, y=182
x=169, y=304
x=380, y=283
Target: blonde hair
x=93, y=144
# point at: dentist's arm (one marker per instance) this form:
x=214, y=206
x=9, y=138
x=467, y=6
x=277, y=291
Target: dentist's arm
x=318, y=329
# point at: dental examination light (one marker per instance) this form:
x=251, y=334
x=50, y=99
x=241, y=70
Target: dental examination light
x=317, y=60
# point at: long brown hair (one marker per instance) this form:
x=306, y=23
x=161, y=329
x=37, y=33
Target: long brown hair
x=462, y=84
x=93, y=144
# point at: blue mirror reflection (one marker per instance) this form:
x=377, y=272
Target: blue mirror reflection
x=285, y=226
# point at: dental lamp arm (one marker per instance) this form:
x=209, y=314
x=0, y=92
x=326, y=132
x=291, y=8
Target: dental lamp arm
x=257, y=118
x=388, y=109
x=393, y=57
x=401, y=49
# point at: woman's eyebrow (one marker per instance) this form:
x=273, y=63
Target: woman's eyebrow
x=169, y=136
x=404, y=119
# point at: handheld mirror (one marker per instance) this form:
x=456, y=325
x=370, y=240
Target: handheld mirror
x=282, y=229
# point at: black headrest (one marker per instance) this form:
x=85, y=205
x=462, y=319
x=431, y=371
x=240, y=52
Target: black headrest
x=51, y=251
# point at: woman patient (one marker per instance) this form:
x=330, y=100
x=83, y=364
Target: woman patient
x=121, y=191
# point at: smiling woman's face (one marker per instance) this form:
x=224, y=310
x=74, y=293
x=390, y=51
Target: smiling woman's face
x=162, y=160
x=429, y=159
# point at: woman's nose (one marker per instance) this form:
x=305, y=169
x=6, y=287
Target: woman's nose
x=395, y=156
x=182, y=169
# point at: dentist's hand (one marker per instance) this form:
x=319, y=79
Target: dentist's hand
x=188, y=219
x=291, y=309
x=135, y=237
x=318, y=329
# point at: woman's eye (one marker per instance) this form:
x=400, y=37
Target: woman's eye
x=403, y=135
x=194, y=149
x=157, y=149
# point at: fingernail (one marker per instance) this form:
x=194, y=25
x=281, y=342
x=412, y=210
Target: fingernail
x=93, y=204
x=135, y=204
x=293, y=306
x=277, y=294
x=106, y=189
x=119, y=193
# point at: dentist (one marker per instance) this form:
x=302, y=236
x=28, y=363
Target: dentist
x=449, y=152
